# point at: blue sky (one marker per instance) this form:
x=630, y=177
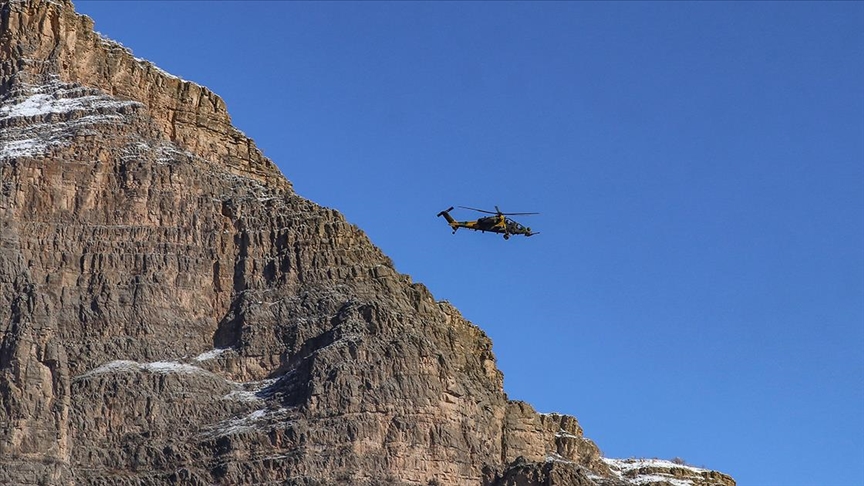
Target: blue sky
x=697, y=289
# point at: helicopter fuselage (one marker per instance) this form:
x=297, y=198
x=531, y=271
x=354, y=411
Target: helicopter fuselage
x=497, y=223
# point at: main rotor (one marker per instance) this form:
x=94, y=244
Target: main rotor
x=497, y=212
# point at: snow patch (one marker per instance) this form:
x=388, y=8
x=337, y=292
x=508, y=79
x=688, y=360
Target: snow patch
x=54, y=99
x=114, y=367
x=212, y=354
x=111, y=43
x=30, y=129
x=568, y=435
x=162, y=367
x=258, y=414
x=23, y=148
x=628, y=470
x=242, y=424
x=252, y=391
x=626, y=465
x=260, y=419
x=159, y=70
x=171, y=367
x=52, y=2
x=553, y=457
x=550, y=414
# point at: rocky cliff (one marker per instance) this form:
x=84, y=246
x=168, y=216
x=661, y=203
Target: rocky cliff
x=172, y=312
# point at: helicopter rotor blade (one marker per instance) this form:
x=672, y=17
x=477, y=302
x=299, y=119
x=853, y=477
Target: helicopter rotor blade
x=479, y=210
x=496, y=212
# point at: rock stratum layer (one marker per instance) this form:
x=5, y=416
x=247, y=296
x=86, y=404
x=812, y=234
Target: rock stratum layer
x=171, y=312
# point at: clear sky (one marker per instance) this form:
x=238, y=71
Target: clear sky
x=697, y=289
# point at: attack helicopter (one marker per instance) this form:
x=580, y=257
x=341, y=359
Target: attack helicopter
x=498, y=223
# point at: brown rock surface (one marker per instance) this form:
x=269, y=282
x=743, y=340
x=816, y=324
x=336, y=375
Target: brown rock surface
x=172, y=312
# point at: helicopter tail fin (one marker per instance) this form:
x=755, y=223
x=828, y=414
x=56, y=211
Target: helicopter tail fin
x=450, y=220
x=446, y=214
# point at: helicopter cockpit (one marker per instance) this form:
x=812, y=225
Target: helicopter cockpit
x=514, y=227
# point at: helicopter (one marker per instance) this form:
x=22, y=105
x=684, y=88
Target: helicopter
x=498, y=223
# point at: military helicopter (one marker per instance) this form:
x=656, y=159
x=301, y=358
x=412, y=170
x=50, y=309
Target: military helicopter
x=498, y=223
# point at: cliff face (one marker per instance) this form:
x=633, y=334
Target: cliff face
x=172, y=312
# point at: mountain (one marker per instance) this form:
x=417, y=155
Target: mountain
x=171, y=311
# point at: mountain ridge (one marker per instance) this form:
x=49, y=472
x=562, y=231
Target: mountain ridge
x=173, y=312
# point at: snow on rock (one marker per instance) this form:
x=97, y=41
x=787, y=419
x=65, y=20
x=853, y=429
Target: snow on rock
x=645, y=472
x=625, y=465
x=251, y=391
x=58, y=98
x=115, y=44
x=238, y=425
x=212, y=354
x=35, y=119
x=156, y=68
x=554, y=457
x=23, y=148
x=568, y=435
x=125, y=366
x=171, y=367
x=261, y=419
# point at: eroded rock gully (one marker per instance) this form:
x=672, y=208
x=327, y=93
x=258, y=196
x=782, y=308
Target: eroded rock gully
x=172, y=312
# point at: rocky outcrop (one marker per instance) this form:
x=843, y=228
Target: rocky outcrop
x=172, y=312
